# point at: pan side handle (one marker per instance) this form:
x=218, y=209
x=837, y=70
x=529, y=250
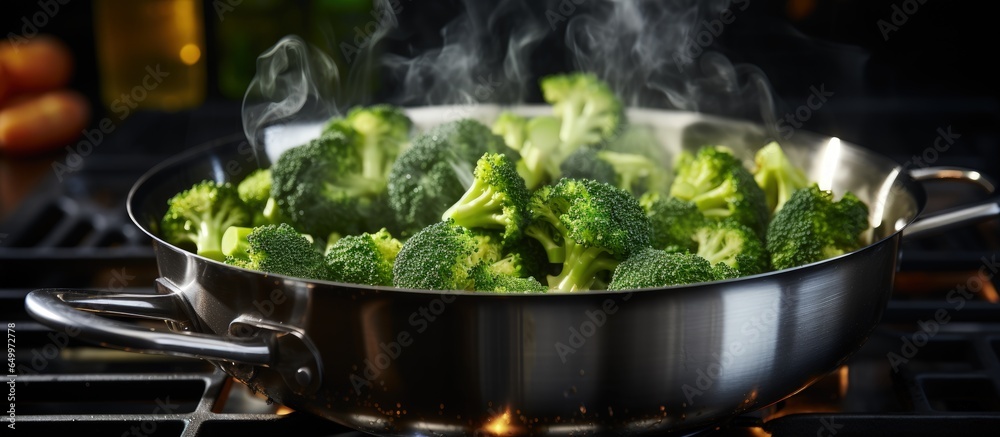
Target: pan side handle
x=76, y=312
x=944, y=220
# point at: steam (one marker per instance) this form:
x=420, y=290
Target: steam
x=476, y=62
x=656, y=54
x=652, y=53
x=295, y=85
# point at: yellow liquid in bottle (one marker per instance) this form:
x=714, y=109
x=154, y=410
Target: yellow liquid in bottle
x=151, y=54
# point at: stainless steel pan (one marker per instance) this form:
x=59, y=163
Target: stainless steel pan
x=406, y=362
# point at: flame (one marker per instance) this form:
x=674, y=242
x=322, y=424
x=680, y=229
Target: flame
x=500, y=424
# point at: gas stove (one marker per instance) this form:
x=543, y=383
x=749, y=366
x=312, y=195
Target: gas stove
x=932, y=367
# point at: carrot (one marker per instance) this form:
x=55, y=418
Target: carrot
x=47, y=121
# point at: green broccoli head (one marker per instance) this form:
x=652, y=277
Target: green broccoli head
x=363, y=259
x=590, y=226
x=382, y=132
x=650, y=268
x=318, y=187
x=255, y=188
x=674, y=222
x=812, y=226
x=631, y=172
x=590, y=113
x=489, y=281
x=512, y=128
x=497, y=199
x=540, y=152
x=585, y=113
x=525, y=257
x=655, y=173
x=777, y=176
x=434, y=173
x=255, y=191
x=200, y=215
x=721, y=187
x=585, y=163
x=278, y=249
x=733, y=244
x=442, y=256
x=635, y=173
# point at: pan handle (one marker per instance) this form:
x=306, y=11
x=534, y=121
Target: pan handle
x=72, y=311
x=943, y=220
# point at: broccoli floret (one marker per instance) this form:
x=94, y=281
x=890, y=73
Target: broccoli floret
x=632, y=172
x=674, y=222
x=363, y=259
x=255, y=191
x=776, y=176
x=588, y=227
x=721, y=187
x=589, y=112
x=382, y=133
x=654, y=174
x=200, y=215
x=733, y=244
x=537, y=142
x=255, y=188
x=486, y=280
x=635, y=173
x=722, y=271
x=656, y=268
x=524, y=258
x=442, y=256
x=512, y=128
x=497, y=199
x=319, y=188
x=585, y=163
x=434, y=173
x=278, y=249
x=812, y=226
x=585, y=113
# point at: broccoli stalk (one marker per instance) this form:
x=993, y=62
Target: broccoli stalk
x=588, y=227
x=551, y=240
x=581, y=267
x=497, y=199
x=201, y=214
x=234, y=241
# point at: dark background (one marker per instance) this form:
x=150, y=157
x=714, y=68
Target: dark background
x=935, y=71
